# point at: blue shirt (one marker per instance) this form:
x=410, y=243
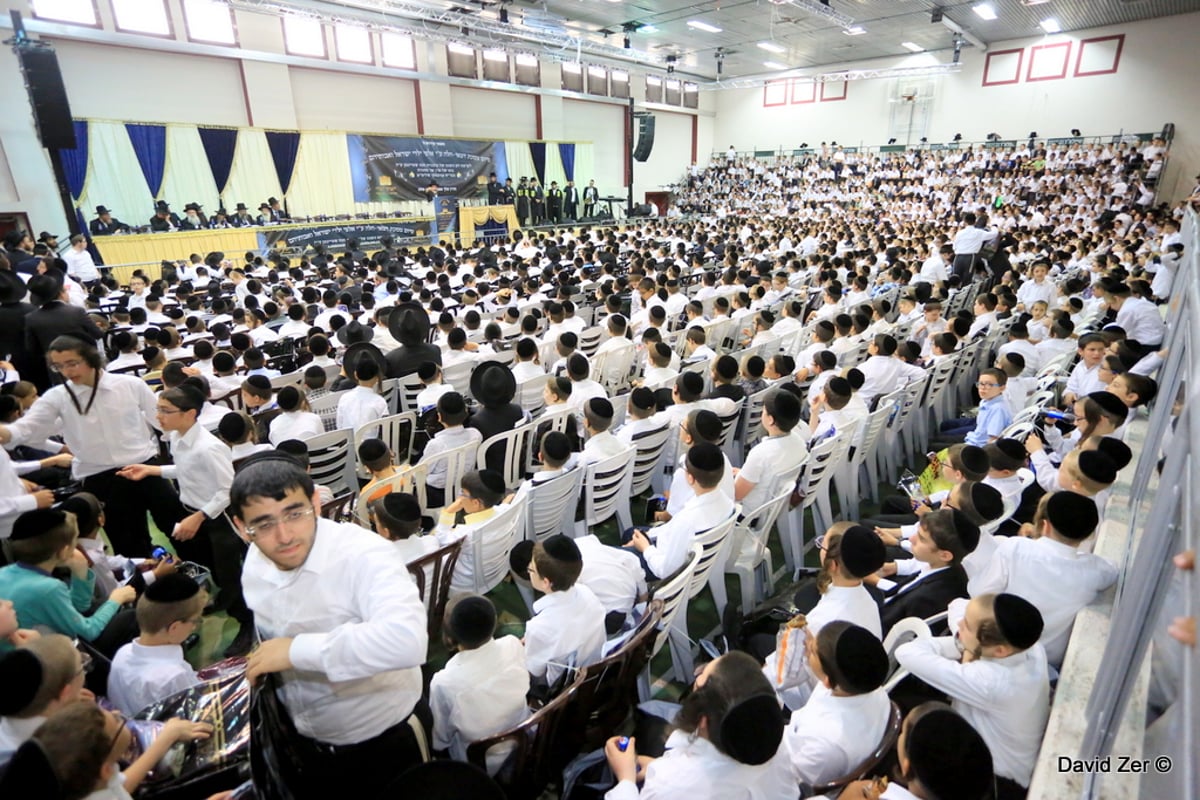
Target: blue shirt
x=994, y=417
x=40, y=599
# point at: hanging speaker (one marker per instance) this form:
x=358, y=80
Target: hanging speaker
x=47, y=96
x=1168, y=132
x=645, y=141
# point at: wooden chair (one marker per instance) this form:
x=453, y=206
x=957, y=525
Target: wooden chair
x=610, y=691
x=432, y=575
x=337, y=508
x=232, y=400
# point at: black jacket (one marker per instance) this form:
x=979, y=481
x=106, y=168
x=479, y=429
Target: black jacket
x=405, y=359
x=100, y=228
x=929, y=597
x=12, y=337
x=45, y=324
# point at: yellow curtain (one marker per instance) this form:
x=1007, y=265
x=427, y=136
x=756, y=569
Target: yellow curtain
x=470, y=216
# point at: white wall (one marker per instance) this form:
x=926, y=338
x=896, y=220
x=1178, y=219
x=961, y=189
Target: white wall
x=670, y=156
x=339, y=101
x=1154, y=84
x=604, y=126
x=484, y=114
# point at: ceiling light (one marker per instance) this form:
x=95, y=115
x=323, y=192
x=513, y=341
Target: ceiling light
x=771, y=47
x=700, y=25
x=1050, y=25
x=855, y=30
x=775, y=65
x=985, y=11
x=647, y=29
x=916, y=48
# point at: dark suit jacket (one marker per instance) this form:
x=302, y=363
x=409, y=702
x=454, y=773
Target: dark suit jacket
x=48, y=322
x=406, y=359
x=929, y=597
x=12, y=337
x=99, y=228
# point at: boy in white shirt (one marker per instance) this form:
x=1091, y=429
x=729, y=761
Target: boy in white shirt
x=597, y=419
x=567, y=627
x=363, y=403
x=525, y=365
x=1085, y=377
x=152, y=667
x=451, y=413
x=396, y=516
x=481, y=690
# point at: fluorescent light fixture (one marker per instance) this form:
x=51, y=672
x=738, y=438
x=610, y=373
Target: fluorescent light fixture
x=527, y=60
x=916, y=48
x=574, y=67
x=1050, y=25
x=654, y=80
x=700, y=25
x=774, y=65
x=647, y=29
x=771, y=47
x=854, y=30
x=461, y=49
x=985, y=11
x=495, y=55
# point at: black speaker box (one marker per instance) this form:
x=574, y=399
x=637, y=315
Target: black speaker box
x=48, y=97
x=1168, y=131
x=645, y=142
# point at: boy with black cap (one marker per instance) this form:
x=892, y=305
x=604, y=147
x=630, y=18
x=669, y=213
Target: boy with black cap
x=397, y=518
x=1050, y=571
x=452, y=414
x=641, y=417
x=152, y=667
x=776, y=458
x=481, y=491
x=431, y=377
x=295, y=421
x=1005, y=458
x=374, y=455
x=996, y=676
x=42, y=676
x=667, y=550
x=363, y=403
x=567, y=627
x=481, y=690
x=583, y=388
x=601, y=443
x=846, y=715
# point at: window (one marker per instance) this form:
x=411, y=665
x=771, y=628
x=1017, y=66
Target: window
x=654, y=89
x=398, y=51
x=304, y=36
x=495, y=65
x=674, y=92
x=597, y=80
x=81, y=12
x=353, y=44
x=529, y=69
x=691, y=95
x=209, y=21
x=142, y=16
x=572, y=76
x=620, y=83
x=461, y=61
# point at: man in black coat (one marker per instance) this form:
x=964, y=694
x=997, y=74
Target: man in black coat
x=408, y=323
x=13, y=310
x=105, y=224
x=18, y=247
x=554, y=203
x=164, y=218
x=942, y=540
x=53, y=318
x=571, y=202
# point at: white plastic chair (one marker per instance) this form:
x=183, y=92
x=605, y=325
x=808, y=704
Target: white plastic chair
x=529, y=394
x=612, y=368
x=866, y=455
x=605, y=489
x=749, y=556
x=750, y=428
x=904, y=631
x=709, y=570
x=550, y=505
x=589, y=340
x=647, y=462
x=487, y=551
x=331, y=460
x=288, y=379
x=397, y=432
x=516, y=444
x=671, y=592
x=814, y=490
x=459, y=376
x=457, y=460
x=325, y=407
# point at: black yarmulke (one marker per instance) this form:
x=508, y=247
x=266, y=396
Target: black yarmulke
x=562, y=548
x=172, y=589
x=21, y=675
x=232, y=426
x=1116, y=450
x=563, y=385
x=1013, y=449
x=861, y=659
x=451, y=403
x=751, y=731
x=34, y=523
x=402, y=505
x=692, y=383
x=839, y=386
x=1072, y=515
x=706, y=457
x=288, y=398
x=987, y=501
x=372, y=449
x=261, y=382
x=1111, y=404
x=974, y=459
x=493, y=480
x=427, y=370
x=708, y=425
x=642, y=398
x=1097, y=467
x=556, y=445
x=949, y=757
x=862, y=552
x=472, y=621
x=601, y=407
x=1018, y=620
x=966, y=530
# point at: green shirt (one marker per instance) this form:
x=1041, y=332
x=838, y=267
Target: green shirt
x=43, y=600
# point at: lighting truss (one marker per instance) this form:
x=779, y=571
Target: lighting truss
x=837, y=76
x=819, y=10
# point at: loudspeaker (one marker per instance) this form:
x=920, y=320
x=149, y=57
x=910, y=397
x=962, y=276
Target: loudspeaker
x=48, y=97
x=1168, y=132
x=935, y=16
x=645, y=140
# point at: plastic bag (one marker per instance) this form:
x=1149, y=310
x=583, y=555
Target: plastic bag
x=791, y=666
x=274, y=759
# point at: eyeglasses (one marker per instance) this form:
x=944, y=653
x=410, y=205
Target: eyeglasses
x=983, y=385
x=85, y=664
x=121, y=718
x=60, y=366
x=163, y=411
x=270, y=526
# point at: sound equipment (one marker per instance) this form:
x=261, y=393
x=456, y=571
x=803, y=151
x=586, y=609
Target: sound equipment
x=935, y=16
x=1168, y=132
x=645, y=140
x=642, y=210
x=47, y=96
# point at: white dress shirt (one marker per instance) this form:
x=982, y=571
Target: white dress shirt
x=142, y=676
x=80, y=265
x=295, y=425
x=672, y=541
x=360, y=405
x=883, y=374
x=829, y=736
x=600, y=446
x=114, y=433
x=14, y=500
x=203, y=468
x=15, y=732
x=566, y=628
x=524, y=370
x=359, y=631
x=1006, y=699
x=695, y=769
x=766, y=461
x=1142, y=321
x=448, y=439
x=681, y=491
x=614, y=574
x=479, y=693
x=1057, y=578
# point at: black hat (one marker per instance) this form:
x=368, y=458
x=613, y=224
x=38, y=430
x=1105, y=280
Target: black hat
x=46, y=236
x=562, y=548
x=427, y=370
x=1072, y=515
x=493, y=480
x=355, y=332
x=172, y=588
x=1019, y=621
x=409, y=323
x=241, y=207
x=101, y=210
x=493, y=384
x=372, y=449
x=162, y=206
x=601, y=407
x=403, y=506
x=987, y=501
x=21, y=675
x=360, y=350
x=472, y=621
x=232, y=426
x=862, y=552
x=751, y=730
x=949, y=757
x=861, y=659
x=193, y=207
x=12, y=288
x=1111, y=404
x=1115, y=449
x=974, y=459
x=34, y=523
x=1097, y=467
x=642, y=398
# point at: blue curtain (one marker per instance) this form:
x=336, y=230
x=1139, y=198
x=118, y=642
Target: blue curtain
x=219, y=146
x=284, y=147
x=566, y=152
x=150, y=146
x=75, y=162
x=537, y=151
x=491, y=230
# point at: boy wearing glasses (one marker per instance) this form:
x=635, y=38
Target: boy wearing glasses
x=993, y=417
x=152, y=667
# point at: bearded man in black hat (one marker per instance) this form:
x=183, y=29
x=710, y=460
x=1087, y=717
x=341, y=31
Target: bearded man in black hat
x=164, y=218
x=242, y=218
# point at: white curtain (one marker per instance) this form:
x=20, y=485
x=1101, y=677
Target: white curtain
x=252, y=179
x=187, y=178
x=554, y=167
x=321, y=184
x=520, y=162
x=585, y=166
x=114, y=177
